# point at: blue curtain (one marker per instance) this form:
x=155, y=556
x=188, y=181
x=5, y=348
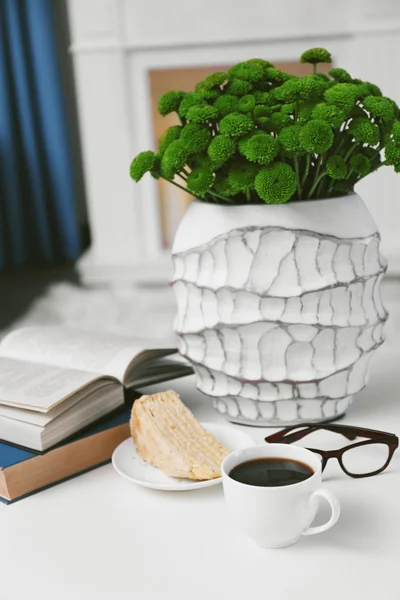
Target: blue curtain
x=38, y=222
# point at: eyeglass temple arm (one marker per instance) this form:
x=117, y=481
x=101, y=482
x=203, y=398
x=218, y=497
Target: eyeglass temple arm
x=285, y=436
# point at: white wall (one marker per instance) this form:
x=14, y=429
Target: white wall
x=116, y=42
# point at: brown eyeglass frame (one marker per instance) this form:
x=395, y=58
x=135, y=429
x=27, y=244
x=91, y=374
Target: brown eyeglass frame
x=289, y=435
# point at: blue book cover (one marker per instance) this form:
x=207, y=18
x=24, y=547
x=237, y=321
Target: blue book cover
x=11, y=455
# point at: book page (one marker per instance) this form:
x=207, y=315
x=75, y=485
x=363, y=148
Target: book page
x=38, y=387
x=102, y=353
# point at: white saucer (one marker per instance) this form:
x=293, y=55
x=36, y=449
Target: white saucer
x=127, y=463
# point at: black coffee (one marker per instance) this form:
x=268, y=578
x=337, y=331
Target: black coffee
x=271, y=472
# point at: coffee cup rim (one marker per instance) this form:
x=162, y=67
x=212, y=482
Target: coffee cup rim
x=242, y=451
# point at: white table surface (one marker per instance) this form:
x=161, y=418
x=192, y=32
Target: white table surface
x=100, y=537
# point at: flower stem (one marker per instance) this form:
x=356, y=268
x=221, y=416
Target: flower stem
x=316, y=182
x=307, y=169
x=352, y=148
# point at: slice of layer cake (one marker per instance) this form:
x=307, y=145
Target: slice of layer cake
x=167, y=435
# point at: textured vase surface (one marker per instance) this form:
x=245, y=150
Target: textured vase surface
x=279, y=307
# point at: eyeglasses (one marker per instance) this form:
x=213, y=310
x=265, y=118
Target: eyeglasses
x=361, y=459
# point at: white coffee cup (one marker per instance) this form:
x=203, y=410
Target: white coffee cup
x=274, y=517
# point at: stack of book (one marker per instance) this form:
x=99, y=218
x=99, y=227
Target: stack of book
x=65, y=399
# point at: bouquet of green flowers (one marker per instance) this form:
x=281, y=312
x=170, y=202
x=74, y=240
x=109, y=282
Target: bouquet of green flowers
x=257, y=134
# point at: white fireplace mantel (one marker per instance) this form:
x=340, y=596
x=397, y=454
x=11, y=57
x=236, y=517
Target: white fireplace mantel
x=115, y=43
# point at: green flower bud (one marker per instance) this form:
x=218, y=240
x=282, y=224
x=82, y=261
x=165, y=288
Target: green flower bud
x=261, y=97
x=316, y=136
x=288, y=109
x=238, y=87
x=169, y=102
x=364, y=131
x=315, y=56
x=220, y=150
x=260, y=62
x=143, y=163
x=248, y=71
x=241, y=176
x=334, y=115
x=199, y=182
x=380, y=107
x=289, y=141
x=173, y=159
x=340, y=75
x=360, y=164
x=170, y=135
x=336, y=167
x=246, y=103
x=304, y=113
x=226, y=104
x=373, y=89
x=236, y=125
x=195, y=137
x=264, y=124
x=276, y=183
x=200, y=113
x=259, y=148
x=189, y=99
x=343, y=95
x=261, y=111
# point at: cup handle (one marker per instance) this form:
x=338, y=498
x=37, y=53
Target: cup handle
x=335, y=506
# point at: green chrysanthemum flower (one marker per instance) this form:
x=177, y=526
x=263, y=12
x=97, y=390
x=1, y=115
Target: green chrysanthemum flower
x=323, y=77
x=277, y=75
x=195, y=137
x=261, y=97
x=336, y=167
x=259, y=148
x=340, y=75
x=343, y=95
x=199, y=181
x=264, y=124
x=238, y=87
x=241, y=176
x=208, y=95
x=190, y=99
x=315, y=56
x=374, y=90
x=288, y=91
x=316, y=136
x=248, y=71
x=211, y=81
x=304, y=113
x=278, y=121
x=364, y=131
x=226, y=104
x=360, y=164
x=200, y=113
x=220, y=150
x=311, y=87
x=236, y=125
x=392, y=153
x=396, y=132
x=173, y=159
x=380, y=107
x=143, y=163
x=276, y=183
x=332, y=114
x=288, y=109
x=261, y=111
x=247, y=103
x=289, y=141
x=169, y=102
x=260, y=62
x=170, y=135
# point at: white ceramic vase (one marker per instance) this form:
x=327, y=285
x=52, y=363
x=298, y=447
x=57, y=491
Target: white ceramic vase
x=279, y=306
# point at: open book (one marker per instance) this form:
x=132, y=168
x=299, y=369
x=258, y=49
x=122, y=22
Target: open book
x=55, y=380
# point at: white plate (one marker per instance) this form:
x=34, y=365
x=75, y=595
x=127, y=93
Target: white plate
x=127, y=463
